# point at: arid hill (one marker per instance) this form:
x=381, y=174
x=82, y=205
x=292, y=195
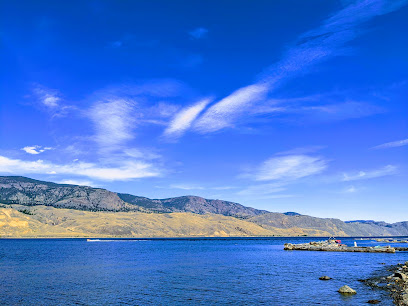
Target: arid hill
x=32, y=208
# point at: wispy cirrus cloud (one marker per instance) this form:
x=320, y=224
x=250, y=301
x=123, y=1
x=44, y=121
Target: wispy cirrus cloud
x=186, y=187
x=183, y=120
x=290, y=167
x=113, y=121
x=78, y=182
x=198, y=33
x=350, y=189
x=338, y=111
x=35, y=149
x=312, y=48
x=51, y=101
x=224, y=187
x=117, y=111
x=223, y=113
x=277, y=172
x=369, y=174
x=392, y=144
x=116, y=44
x=322, y=107
x=125, y=170
x=301, y=150
x=50, y=98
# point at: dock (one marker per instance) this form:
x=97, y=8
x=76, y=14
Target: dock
x=332, y=246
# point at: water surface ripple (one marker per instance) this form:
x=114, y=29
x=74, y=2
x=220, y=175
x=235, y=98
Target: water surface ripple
x=183, y=271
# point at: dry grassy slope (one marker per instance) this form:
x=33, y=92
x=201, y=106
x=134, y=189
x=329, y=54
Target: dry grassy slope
x=49, y=222
x=16, y=224
x=53, y=222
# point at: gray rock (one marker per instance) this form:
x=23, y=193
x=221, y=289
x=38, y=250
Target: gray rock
x=404, y=299
x=401, y=276
x=288, y=246
x=347, y=290
x=325, y=278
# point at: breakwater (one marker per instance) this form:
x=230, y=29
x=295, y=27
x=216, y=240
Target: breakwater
x=333, y=246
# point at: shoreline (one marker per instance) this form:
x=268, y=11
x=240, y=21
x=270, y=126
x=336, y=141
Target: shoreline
x=169, y=237
x=192, y=237
x=394, y=280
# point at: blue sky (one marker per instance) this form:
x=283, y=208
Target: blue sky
x=279, y=105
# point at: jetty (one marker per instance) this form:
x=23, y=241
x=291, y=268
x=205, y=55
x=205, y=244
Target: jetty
x=335, y=246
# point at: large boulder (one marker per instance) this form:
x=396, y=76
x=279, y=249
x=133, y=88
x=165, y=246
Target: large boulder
x=347, y=290
x=288, y=246
x=401, y=276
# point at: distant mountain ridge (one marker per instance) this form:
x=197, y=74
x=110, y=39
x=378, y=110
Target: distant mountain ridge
x=336, y=227
x=26, y=191
x=34, y=205
x=192, y=204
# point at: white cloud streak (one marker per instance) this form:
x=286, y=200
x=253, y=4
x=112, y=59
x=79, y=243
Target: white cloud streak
x=279, y=172
x=350, y=189
x=393, y=144
x=113, y=121
x=290, y=167
x=124, y=171
x=183, y=120
x=51, y=101
x=312, y=48
x=35, y=149
x=362, y=175
x=224, y=187
x=48, y=97
x=338, y=111
x=77, y=182
x=223, y=113
x=186, y=187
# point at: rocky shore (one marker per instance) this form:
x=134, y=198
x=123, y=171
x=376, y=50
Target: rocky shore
x=395, y=281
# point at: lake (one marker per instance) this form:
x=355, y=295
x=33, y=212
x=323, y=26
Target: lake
x=242, y=271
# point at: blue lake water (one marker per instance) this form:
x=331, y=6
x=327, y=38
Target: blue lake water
x=183, y=271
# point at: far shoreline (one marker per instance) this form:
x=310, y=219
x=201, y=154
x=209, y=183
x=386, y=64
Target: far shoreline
x=202, y=237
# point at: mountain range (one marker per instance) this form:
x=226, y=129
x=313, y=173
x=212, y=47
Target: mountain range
x=33, y=208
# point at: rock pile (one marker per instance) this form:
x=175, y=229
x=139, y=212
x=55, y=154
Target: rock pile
x=396, y=283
